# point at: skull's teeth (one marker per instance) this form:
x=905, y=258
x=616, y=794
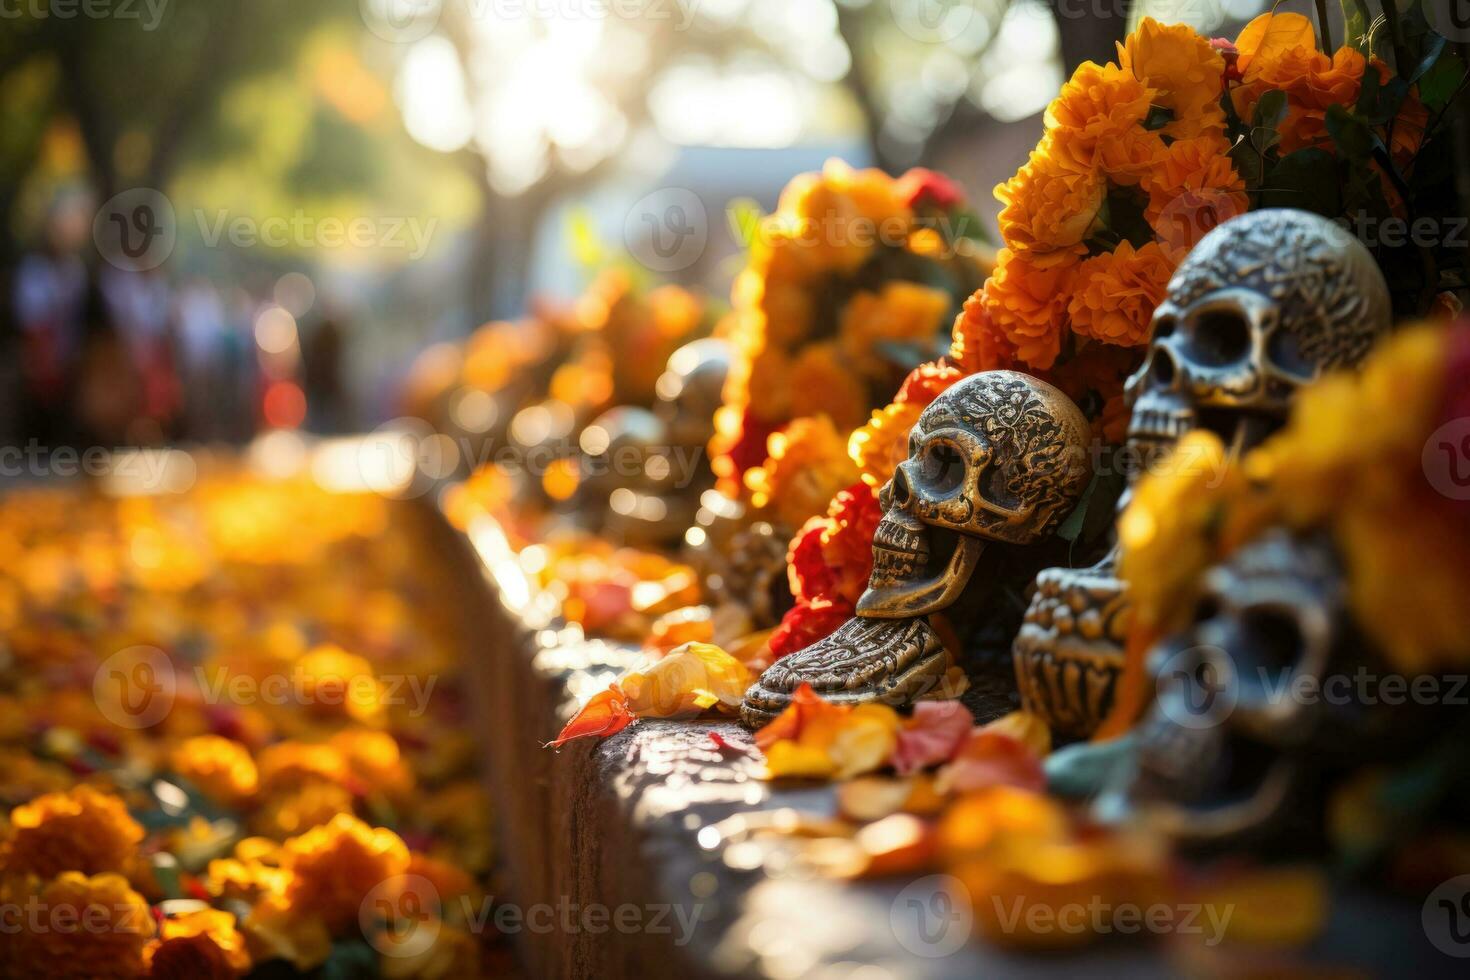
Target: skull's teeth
x=1151, y=423
x=898, y=552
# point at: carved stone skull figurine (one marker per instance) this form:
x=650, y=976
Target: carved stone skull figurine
x=1262, y=306
x=997, y=460
x=1257, y=708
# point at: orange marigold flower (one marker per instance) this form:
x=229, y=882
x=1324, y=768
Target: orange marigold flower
x=1026, y=299
x=204, y=943
x=823, y=382
x=1194, y=189
x=291, y=765
x=1049, y=203
x=80, y=829
x=1186, y=72
x=902, y=312
x=297, y=810
x=882, y=444
x=1279, y=51
x=1094, y=377
x=1097, y=123
x=220, y=767
x=978, y=345
x=340, y=683
x=335, y=866
x=91, y=928
x=1115, y=293
x=928, y=381
x=806, y=466
x=251, y=873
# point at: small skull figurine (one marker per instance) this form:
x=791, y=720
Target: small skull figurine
x=1263, y=305
x=645, y=470
x=1000, y=458
x=1249, y=723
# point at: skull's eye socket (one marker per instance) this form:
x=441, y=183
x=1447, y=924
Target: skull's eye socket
x=942, y=468
x=1220, y=337
x=1165, y=327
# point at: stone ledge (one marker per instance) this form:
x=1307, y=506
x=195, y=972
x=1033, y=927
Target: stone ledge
x=647, y=818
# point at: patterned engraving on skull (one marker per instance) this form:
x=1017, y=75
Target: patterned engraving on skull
x=893, y=661
x=999, y=457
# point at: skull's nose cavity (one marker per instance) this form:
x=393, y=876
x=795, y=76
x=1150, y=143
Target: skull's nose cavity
x=1162, y=370
x=899, y=490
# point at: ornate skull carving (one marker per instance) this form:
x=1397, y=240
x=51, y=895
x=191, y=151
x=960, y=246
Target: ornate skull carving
x=1246, y=725
x=1000, y=457
x=1263, y=305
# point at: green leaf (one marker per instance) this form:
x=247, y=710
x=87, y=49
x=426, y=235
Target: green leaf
x=1270, y=110
x=1433, y=48
x=1356, y=18
x=1071, y=528
x=1438, y=84
x=1351, y=135
x=744, y=217
x=1307, y=179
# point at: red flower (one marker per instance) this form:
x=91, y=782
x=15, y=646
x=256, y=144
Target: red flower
x=1231, y=54
x=806, y=565
x=920, y=187
x=807, y=623
x=928, y=381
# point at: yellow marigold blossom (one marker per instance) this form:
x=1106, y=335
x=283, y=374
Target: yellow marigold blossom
x=1167, y=534
x=277, y=929
x=823, y=382
x=337, y=682
x=1114, y=293
x=79, y=829
x=375, y=759
x=222, y=768
x=91, y=928
x=1097, y=123
x=214, y=925
x=333, y=868
x=297, y=810
x=253, y=871
x=1352, y=458
x=768, y=385
x=902, y=312
x=878, y=447
x=290, y=765
x=839, y=215
x=1278, y=51
x=1026, y=301
x=807, y=463
x=1049, y=205
x=1186, y=73
x=1193, y=189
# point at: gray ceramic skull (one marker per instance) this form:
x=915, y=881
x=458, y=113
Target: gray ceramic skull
x=1256, y=703
x=1263, y=305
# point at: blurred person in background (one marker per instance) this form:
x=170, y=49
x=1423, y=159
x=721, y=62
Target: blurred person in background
x=50, y=293
x=140, y=307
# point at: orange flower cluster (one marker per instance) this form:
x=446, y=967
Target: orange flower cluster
x=240, y=636
x=810, y=340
